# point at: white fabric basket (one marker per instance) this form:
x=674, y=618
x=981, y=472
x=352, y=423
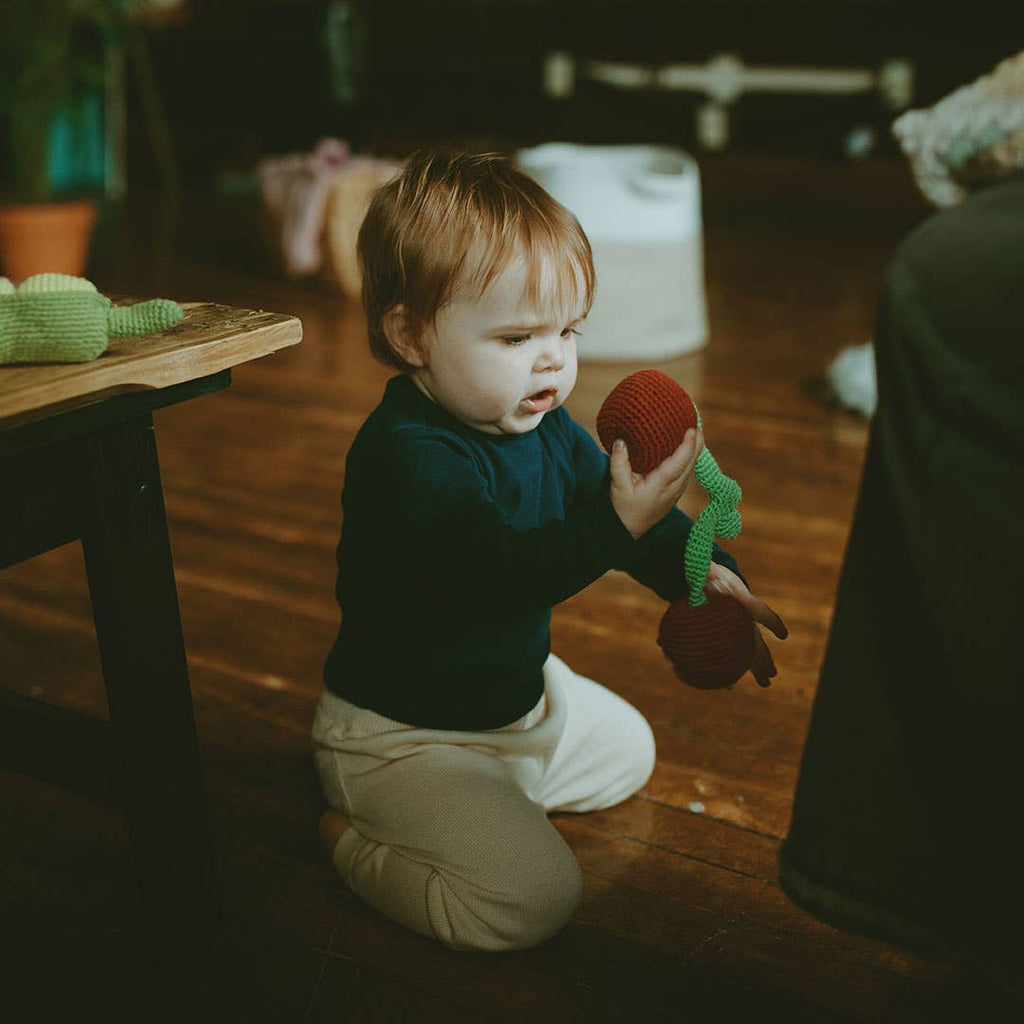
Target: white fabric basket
x=641, y=209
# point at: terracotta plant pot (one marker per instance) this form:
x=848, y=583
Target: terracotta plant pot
x=38, y=238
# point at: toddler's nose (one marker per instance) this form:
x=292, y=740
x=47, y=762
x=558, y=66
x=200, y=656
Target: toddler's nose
x=551, y=356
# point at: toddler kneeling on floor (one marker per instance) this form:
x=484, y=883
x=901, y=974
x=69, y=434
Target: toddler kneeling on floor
x=473, y=503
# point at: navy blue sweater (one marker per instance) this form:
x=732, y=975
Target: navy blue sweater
x=454, y=548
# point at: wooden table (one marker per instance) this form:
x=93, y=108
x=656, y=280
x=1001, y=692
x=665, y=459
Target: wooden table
x=78, y=460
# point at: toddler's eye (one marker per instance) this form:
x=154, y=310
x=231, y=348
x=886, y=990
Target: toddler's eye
x=515, y=339
x=572, y=330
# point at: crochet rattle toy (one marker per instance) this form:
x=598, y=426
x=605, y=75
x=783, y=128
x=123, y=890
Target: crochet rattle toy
x=54, y=318
x=708, y=639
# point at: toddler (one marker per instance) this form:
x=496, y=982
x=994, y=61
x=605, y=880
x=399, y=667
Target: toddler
x=472, y=504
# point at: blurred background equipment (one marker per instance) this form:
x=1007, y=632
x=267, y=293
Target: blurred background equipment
x=725, y=78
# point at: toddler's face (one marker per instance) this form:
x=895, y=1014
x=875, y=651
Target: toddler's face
x=496, y=361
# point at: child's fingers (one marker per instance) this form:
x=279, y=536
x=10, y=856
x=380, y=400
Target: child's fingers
x=763, y=666
x=680, y=463
x=763, y=614
x=622, y=471
x=723, y=581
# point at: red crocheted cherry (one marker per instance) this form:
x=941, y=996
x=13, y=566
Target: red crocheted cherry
x=651, y=413
x=710, y=646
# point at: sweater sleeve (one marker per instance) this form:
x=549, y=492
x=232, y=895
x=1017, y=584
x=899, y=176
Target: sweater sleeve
x=657, y=559
x=460, y=542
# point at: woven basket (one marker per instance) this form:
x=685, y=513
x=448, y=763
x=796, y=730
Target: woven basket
x=347, y=203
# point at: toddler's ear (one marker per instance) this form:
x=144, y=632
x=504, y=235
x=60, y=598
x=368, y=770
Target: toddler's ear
x=402, y=335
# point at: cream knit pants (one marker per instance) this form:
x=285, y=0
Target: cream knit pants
x=450, y=835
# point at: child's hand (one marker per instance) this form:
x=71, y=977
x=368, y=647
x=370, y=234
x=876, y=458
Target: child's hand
x=725, y=581
x=641, y=501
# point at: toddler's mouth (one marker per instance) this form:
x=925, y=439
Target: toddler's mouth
x=541, y=401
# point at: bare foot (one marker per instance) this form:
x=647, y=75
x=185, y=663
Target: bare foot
x=332, y=826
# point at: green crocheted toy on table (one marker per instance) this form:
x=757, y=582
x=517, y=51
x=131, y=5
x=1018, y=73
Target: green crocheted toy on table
x=54, y=318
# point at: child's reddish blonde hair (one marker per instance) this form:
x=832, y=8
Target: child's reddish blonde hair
x=443, y=208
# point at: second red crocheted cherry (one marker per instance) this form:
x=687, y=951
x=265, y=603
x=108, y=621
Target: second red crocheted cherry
x=710, y=646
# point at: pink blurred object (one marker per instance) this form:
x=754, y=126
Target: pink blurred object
x=295, y=189
x=315, y=203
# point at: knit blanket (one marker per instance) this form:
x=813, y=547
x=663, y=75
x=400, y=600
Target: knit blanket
x=970, y=138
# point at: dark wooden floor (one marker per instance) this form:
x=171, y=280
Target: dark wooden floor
x=681, y=913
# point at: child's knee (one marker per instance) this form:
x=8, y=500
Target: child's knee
x=636, y=756
x=531, y=909
x=645, y=753
x=547, y=904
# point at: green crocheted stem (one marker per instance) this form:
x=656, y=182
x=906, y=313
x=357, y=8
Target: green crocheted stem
x=143, y=317
x=719, y=518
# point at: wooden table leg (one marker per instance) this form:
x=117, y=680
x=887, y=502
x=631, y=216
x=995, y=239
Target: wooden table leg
x=138, y=626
